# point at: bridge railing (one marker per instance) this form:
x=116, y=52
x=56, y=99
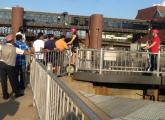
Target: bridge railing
x=59, y=59
x=54, y=100
x=120, y=61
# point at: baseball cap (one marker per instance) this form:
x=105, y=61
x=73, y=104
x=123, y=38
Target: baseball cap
x=18, y=33
x=73, y=30
x=155, y=31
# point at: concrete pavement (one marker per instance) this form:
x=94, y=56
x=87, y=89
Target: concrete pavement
x=18, y=109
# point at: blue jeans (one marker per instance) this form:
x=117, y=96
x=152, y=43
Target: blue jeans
x=20, y=71
x=153, y=62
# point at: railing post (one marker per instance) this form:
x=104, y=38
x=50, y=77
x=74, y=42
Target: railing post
x=88, y=59
x=49, y=68
x=77, y=60
x=32, y=79
x=101, y=61
x=158, y=64
x=70, y=57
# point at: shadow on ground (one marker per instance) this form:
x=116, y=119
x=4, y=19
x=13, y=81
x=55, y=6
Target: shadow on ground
x=9, y=107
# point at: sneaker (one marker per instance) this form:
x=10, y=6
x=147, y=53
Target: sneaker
x=6, y=96
x=19, y=95
x=154, y=72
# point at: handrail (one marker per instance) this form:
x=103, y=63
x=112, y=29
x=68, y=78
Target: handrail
x=54, y=99
x=82, y=102
x=102, y=60
x=59, y=59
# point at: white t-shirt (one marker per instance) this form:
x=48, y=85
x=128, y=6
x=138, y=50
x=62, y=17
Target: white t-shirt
x=38, y=45
x=19, y=51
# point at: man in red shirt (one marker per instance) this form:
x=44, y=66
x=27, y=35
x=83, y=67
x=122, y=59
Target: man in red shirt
x=154, y=49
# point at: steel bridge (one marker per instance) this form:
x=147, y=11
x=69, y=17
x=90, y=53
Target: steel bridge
x=51, y=22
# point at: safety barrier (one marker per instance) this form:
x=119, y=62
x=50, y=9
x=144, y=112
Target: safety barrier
x=55, y=101
x=59, y=59
x=119, y=61
x=102, y=60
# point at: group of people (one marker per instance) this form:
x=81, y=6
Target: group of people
x=50, y=43
x=13, y=57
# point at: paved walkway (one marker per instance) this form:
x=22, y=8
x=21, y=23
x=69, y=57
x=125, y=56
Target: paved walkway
x=18, y=109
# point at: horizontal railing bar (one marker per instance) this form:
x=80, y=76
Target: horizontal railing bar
x=119, y=61
x=93, y=114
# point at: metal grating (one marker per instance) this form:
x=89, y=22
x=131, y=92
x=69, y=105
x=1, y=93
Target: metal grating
x=129, y=109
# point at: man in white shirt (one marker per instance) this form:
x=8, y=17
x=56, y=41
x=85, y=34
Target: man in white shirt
x=38, y=47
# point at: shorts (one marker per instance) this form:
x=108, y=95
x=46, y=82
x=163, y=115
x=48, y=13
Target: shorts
x=74, y=49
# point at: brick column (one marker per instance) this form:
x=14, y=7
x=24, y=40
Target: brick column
x=17, y=18
x=96, y=28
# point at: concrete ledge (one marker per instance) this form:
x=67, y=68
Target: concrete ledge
x=118, y=79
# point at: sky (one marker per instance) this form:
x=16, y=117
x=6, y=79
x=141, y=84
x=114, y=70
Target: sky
x=109, y=8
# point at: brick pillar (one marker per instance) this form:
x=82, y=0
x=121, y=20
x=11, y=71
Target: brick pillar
x=96, y=28
x=17, y=18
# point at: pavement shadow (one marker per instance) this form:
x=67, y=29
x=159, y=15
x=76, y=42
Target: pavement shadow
x=9, y=107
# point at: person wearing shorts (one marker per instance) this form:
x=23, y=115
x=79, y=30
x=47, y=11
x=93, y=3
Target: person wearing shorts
x=75, y=44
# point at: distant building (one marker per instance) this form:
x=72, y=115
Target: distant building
x=151, y=13
x=155, y=15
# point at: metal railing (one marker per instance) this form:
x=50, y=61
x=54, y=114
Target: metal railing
x=101, y=60
x=60, y=60
x=56, y=101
